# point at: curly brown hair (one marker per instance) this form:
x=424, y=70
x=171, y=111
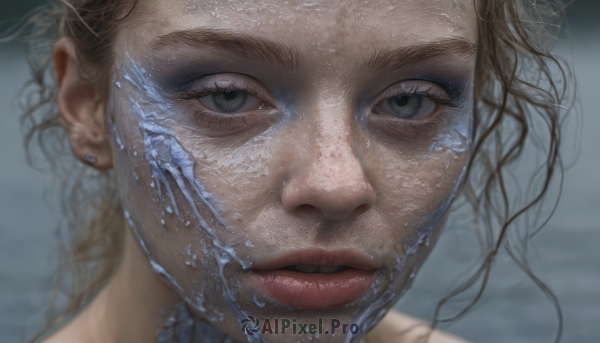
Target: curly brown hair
x=518, y=83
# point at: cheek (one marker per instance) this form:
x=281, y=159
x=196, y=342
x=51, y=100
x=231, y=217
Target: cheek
x=166, y=206
x=239, y=176
x=157, y=206
x=421, y=184
x=416, y=181
x=414, y=188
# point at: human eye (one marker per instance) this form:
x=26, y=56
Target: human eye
x=227, y=102
x=413, y=109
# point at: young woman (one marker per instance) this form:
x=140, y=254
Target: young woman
x=277, y=171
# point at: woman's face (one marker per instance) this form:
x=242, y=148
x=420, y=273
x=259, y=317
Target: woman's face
x=291, y=159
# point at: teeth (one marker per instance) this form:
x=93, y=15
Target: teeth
x=313, y=268
x=329, y=269
x=307, y=268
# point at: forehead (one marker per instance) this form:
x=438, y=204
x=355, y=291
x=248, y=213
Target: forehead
x=327, y=25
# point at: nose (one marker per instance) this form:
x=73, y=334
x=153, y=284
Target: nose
x=332, y=180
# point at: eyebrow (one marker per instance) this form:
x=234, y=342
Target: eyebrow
x=239, y=44
x=288, y=57
x=403, y=56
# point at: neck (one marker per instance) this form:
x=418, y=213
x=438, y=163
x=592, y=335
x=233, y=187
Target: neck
x=134, y=304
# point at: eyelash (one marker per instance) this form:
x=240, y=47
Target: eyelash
x=423, y=128
x=425, y=93
x=211, y=119
x=405, y=127
x=206, y=91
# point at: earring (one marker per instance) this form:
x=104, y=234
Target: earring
x=90, y=158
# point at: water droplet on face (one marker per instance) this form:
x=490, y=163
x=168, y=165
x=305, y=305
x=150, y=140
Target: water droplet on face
x=162, y=221
x=237, y=217
x=152, y=184
x=258, y=302
x=169, y=209
x=199, y=155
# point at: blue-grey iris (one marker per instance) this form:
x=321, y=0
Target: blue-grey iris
x=230, y=100
x=405, y=106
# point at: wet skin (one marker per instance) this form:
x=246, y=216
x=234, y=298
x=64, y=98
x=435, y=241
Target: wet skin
x=246, y=132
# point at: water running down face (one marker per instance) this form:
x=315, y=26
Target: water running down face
x=291, y=159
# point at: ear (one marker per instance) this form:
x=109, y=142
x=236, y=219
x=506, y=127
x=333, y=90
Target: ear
x=82, y=111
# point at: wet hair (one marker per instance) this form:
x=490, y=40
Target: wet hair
x=523, y=95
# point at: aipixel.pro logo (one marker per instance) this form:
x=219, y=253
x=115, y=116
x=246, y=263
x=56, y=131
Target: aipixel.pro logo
x=250, y=326
x=277, y=326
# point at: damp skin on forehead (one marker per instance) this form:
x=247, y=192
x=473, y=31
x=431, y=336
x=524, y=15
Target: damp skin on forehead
x=206, y=206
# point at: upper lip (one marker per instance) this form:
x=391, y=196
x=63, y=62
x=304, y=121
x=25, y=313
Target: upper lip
x=318, y=256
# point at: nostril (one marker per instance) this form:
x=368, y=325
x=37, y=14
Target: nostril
x=337, y=204
x=340, y=213
x=305, y=209
x=362, y=208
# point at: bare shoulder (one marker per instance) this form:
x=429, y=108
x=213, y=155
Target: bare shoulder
x=400, y=328
x=69, y=334
x=75, y=331
x=63, y=336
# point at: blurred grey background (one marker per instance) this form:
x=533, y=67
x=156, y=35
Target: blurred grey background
x=565, y=255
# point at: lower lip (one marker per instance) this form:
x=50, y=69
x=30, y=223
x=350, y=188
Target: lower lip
x=314, y=290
